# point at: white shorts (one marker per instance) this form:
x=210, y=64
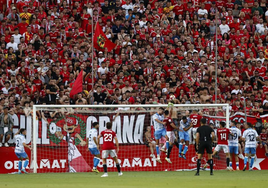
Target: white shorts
x=194, y=130
x=106, y=153
x=171, y=136
x=220, y=147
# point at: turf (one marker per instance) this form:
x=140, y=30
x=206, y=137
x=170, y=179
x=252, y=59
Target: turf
x=221, y=179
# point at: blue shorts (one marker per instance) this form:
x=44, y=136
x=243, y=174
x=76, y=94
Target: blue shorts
x=22, y=155
x=233, y=149
x=184, y=135
x=94, y=151
x=250, y=150
x=160, y=133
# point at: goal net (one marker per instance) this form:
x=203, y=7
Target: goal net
x=59, y=136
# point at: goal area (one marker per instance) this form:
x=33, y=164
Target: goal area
x=59, y=136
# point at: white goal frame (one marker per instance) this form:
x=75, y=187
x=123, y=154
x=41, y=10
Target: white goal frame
x=183, y=106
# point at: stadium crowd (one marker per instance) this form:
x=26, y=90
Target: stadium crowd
x=163, y=48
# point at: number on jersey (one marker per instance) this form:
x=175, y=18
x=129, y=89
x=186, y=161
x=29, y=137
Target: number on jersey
x=251, y=137
x=108, y=137
x=223, y=136
x=194, y=122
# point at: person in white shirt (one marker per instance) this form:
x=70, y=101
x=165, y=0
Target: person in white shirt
x=202, y=11
x=92, y=141
x=17, y=36
x=20, y=144
x=233, y=143
x=127, y=6
x=260, y=28
x=101, y=58
x=102, y=70
x=224, y=27
x=12, y=44
x=250, y=137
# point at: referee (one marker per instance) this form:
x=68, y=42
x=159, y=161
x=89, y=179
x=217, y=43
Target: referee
x=204, y=137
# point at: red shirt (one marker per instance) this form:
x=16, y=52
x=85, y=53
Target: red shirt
x=263, y=136
x=108, y=139
x=168, y=121
x=223, y=135
x=195, y=119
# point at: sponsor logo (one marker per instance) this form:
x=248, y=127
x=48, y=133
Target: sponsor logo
x=43, y=163
x=131, y=163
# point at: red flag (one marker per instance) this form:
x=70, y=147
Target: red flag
x=101, y=41
x=78, y=85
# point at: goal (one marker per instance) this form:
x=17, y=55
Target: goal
x=59, y=136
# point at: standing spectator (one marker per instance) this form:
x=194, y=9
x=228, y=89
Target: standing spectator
x=51, y=92
x=6, y=126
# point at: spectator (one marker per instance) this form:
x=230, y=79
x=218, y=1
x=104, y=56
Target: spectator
x=6, y=126
x=99, y=96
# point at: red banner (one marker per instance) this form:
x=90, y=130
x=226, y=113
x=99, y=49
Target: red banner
x=131, y=157
x=61, y=145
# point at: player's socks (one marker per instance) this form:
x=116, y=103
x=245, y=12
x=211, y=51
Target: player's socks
x=96, y=161
x=228, y=162
x=231, y=164
x=245, y=160
x=180, y=148
x=210, y=161
x=157, y=149
x=26, y=162
x=167, y=145
x=185, y=150
x=105, y=168
x=20, y=165
x=252, y=161
x=118, y=168
x=169, y=151
x=198, y=165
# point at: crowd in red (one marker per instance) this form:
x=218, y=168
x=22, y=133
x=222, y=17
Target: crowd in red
x=163, y=48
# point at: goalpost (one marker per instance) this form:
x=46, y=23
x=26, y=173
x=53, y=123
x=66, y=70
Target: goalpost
x=59, y=136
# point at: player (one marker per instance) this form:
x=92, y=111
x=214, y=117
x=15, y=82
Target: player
x=109, y=136
x=204, y=137
x=92, y=141
x=223, y=135
x=263, y=143
x=170, y=126
x=149, y=141
x=185, y=125
x=233, y=144
x=160, y=131
x=20, y=144
x=195, y=120
x=250, y=136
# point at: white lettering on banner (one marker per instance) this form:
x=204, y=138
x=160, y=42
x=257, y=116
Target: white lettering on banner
x=44, y=163
x=45, y=140
x=62, y=161
x=126, y=163
x=55, y=164
x=136, y=162
x=8, y=165
x=118, y=128
x=138, y=134
x=129, y=129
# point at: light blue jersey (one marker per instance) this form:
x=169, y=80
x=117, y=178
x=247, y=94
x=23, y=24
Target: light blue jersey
x=158, y=126
x=185, y=125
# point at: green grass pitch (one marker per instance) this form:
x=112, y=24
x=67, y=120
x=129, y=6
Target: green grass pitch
x=221, y=179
